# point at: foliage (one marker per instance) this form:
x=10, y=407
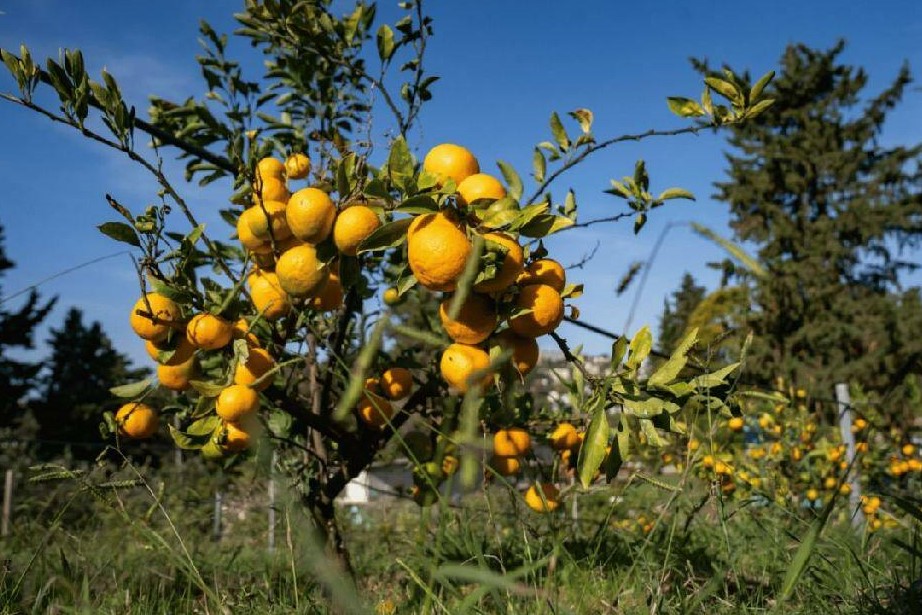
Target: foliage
x=674, y=320
x=830, y=211
x=17, y=329
x=322, y=403
x=74, y=387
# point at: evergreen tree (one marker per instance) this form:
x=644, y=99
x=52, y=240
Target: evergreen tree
x=831, y=212
x=677, y=310
x=17, y=330
x=75, y=386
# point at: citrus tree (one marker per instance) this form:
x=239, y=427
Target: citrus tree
x=270, y=330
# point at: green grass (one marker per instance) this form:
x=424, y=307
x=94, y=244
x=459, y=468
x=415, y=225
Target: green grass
x=97, y=550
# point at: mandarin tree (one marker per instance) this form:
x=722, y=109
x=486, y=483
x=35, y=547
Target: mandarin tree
x=275, y=317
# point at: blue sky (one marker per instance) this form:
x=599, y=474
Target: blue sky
x=504, y=67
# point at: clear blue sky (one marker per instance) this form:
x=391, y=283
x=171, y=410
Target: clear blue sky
x=505, y=66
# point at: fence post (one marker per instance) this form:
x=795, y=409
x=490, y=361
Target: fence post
x=271, y=544
x=7, y=504
x=216, y=527
x=845, y=429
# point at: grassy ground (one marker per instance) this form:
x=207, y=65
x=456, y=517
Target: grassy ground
x=76, y=549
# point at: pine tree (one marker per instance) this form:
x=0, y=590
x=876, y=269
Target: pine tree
x=831, y=211
x=677, y=310
x=17, y=330
x=75, y=386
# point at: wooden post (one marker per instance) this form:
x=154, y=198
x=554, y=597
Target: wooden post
x=271, y=535
x=7, y=503
x=848, y=438
x=216, y=527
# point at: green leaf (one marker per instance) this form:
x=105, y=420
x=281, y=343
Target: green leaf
x=208, y=389
x=715, y=378
x=400, y=162
x=592, y=453
x=684, y=107
x=390, y=235
x=669, y=370
x=204, y=426
x=527, y=214
x=650, y=407
x=649, y=430
x=675, y=193
x=620, y=449
x=641, y=177
x=807, y=545
x=639, y=222
x=120, y=231
x=560, y=134
x=724, y=88
x=584, y=117
x=279, y=423
x=640, y=347
x=419, y=204
x=618, y=350
x=750, y=263
x=513, y=181
x=385, y=39
x=759, y=107
x=187, y=442
x=539, y=165
x=759, y=86
x=132, y=389
x=544, y=225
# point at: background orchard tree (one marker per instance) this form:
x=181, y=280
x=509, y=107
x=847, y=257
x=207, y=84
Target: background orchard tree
x=272, y=332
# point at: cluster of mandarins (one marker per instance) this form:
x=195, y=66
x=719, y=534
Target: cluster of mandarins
x=178, y=346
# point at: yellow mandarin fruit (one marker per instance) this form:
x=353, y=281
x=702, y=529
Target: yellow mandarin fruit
x=159, y=317
x=830, y=482
x=736, y=423
x=300, y=273
x=437, y=251
x=525, y=351
x=177, y=377
x=475, y=320
x=564, y=437
x=268, y=221
x=914, y=465
x=450, y=465
x=721, y=467
x=548, y=503
x=247, y=239
x=708, y=461
x=546, y=311
x=860, y=424
x=450, y=161
x=512, y=442
x=330, y=296
x=812, y=495
x=544, y=271
x=270, y=168
x=480, y=186
x=209, y=332
x=236, y=403
x=353, y=225
x=506, y=466
x=861, y=447
x=693, y=445
x=391, y=296
x=241, y=331
x=137, y=420
x=908, y=450
x=396, y=383
x=182, y=351
x=512, y=265
x=288, y=243
x=460, y=361
x=845, y=489
x=310, y=214
x=236, y=438
x=796, y=454
x=271, y=189
x=297, y=166
x=258, y=362
x=375, y=411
